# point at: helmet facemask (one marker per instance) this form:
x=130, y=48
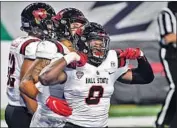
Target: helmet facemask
x=48, y=29
x=97, y=49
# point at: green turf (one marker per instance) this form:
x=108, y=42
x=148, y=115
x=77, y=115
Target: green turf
x=126, y=110
x=2, y=114
x=133, y=110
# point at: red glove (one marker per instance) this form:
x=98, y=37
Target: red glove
x=83, y=59
x=131, y=53
x=58, y=106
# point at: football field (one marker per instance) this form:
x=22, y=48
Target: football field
x=136, y=122
x=125, y=116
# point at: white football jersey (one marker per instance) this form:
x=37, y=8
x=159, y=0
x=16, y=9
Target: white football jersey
x=22, y=47
x=53, y=51
x=88, y=90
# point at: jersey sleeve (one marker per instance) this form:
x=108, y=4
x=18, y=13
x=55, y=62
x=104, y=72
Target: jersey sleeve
x=165, y=23
x=30, y=51
x=48, y=50
x=28, y=48
x=121, y=70
x=123, y=64
x=118, y=65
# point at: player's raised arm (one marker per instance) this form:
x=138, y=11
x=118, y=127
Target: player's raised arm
x=143, y=74
x=54, y=73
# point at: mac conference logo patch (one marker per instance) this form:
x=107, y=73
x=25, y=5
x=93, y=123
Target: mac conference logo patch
x=113, y=64
x=79, y=74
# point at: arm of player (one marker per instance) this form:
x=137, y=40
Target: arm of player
x=31, y=103
x=170, y=38
x=44, y=52
x=165, y=28
x=55, y=72
x=27, y=85
x=29, y=89
x=143, y=74
x=29, y=56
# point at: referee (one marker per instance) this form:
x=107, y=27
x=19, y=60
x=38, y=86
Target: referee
x=168, y=54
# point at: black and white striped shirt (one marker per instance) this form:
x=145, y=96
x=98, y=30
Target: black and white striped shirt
x=167, y=24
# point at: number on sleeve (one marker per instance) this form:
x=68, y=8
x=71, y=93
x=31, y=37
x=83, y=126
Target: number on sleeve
x=11, y=70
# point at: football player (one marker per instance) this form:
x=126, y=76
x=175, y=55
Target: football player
x=21, y=56
x=67, y=22
x=88, y=87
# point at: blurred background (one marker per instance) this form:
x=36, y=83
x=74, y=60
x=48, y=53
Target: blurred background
x=130, y=24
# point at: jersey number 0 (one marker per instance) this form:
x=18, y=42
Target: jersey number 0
x=91, y=99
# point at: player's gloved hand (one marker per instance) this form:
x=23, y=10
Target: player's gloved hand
x=131, y=53
x=58, y=106
x=79, y=58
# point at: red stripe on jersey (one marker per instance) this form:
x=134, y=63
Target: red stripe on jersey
x=25, y=44
x=59, y=47
x=121, y=60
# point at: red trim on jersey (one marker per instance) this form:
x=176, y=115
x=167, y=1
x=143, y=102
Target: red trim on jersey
x=59, y=47
x=25, y=44
x=122, y=62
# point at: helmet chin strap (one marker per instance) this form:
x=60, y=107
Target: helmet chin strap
x=94, y=61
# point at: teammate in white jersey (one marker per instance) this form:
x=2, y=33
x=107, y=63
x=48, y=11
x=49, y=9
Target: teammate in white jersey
x=22, y=54
x=70, y=20
x=88, y=87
